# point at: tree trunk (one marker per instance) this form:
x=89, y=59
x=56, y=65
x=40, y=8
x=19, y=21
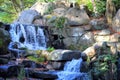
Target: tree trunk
x=110, y=11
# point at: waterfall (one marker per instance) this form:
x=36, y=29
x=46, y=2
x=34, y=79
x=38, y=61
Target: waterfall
x=72, y=71
x=27, y=36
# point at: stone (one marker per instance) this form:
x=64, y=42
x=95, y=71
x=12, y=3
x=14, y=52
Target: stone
x=77, y=17
x=102, y=38
x=48, y=75
x=104, y=32
x=116, y=22
x=62, y=55
x=59, y=11
x=4, y=41
x=79, y=42
x=9, y=70
x=27, y=16
x=98, y=24
x=43, y=8
x=115, y=37
x=75, y=31
x=91, y=51
x=58, y=65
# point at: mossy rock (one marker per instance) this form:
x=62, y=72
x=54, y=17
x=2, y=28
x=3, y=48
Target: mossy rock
x=4, y=41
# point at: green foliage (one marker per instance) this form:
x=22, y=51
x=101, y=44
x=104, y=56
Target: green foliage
x=37, y=59
x=10, y=9
x=21, y=75
x=46, y=0
x=117, y=4
x=50, y=49
x=49, y=10
x=100, y=6
x=88, y=3
x=103, y=63
x=60, y=22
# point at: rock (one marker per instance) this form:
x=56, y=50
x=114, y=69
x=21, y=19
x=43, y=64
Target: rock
x=43, y=8
x=59, y=11
x=114, y=47
x=116, y=22
x=79, y=40
x=62, y=55
x=75, y=31
x=99, y=38
x=84, y=67
x=77, y=17
x=49, y=75
x=104, y=32
x=3, y=61
x=31, y=64
x=98, y=24
x=9, y=70
x=58, y=65
x=90, y=52
x=39, y=21
x=27, y=16
x=97, y=48
x=4, y=41
x=87, y=38
x=115, y=37
x=60, y=4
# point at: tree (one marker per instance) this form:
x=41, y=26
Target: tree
x=9, y=9
x=110, y=11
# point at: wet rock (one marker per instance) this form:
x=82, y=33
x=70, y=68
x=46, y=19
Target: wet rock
x=116, y=22
x=27, y=16
x=31, y=64
x=3, y=61
x=84, y=67
x=4, y=41
x=58, y=65
x=49, y=75
x=9, y=70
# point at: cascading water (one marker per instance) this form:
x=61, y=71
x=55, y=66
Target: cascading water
x=72, y=71
x=27, y=36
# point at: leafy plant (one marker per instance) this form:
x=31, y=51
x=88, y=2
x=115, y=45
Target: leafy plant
x=88, y=3
x=100, y=6
x=36, y=59
x=50, y=49
x=103, y=63
x=60, y=22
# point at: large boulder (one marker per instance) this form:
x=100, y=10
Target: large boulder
x=98, y=24
x=28, y=16
x=64, y=55
x=116, y=22
x=43, y=8
x=77, y=17
x=4, y=41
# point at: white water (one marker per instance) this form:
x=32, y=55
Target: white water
x=72, y=71
x=33, y=37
